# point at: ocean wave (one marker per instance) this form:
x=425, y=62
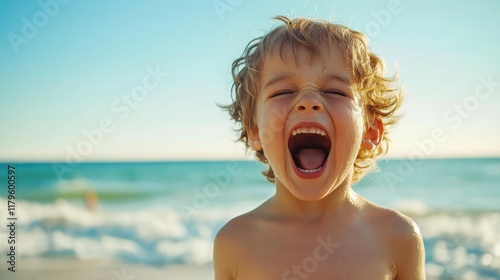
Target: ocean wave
x=458, y=245
x=153, y=236
x=461, y=245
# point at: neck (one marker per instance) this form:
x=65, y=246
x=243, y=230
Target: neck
x=338, y=202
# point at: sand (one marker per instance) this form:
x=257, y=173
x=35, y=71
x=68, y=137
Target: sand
x=73, y=269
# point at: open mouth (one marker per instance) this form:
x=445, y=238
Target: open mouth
x=309, y=147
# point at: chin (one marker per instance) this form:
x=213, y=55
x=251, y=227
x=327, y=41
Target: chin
x=310, y=193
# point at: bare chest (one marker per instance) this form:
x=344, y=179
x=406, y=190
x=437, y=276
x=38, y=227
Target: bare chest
x=315, y=256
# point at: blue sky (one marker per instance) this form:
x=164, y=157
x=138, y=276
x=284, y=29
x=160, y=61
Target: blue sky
x=68, y=67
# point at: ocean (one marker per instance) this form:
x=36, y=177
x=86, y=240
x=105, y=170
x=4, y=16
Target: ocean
x=162, y=213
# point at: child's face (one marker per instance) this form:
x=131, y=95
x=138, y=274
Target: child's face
x=314, y=97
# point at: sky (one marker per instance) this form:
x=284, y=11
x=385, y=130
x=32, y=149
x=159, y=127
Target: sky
x=140, y=80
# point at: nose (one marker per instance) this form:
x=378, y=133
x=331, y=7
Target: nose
x=309, y=103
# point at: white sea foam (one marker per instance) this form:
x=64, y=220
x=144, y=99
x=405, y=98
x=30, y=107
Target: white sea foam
x=413, y=206
x=157, y=236
x=462, y=246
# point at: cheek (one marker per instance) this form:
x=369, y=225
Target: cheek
x=272, y=138
x=271, y=124
x=357, y=119
x=349, y=126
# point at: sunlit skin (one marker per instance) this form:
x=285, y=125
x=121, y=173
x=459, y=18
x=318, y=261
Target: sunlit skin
x=312, y=94
x=316, y=226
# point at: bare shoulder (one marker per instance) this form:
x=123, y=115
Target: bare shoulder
x=239, y=228
x=392, y=222
x=403, y=239
x=229, y=245
x=234, y=230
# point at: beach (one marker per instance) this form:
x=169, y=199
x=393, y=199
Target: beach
x=75, y=269
x=159, y=220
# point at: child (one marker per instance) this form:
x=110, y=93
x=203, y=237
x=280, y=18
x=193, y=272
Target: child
x=314, y=105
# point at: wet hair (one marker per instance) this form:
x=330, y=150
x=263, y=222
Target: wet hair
x=381, y=96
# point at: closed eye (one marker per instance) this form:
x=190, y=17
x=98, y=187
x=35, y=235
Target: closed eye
x=282, y=92
x=334, y=92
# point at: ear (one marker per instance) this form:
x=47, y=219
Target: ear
x=373, y=135
x=254, y=139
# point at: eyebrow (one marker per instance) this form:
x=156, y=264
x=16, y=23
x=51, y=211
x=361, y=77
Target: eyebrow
x=285, y=76
x=345, y=80
x=277, y=79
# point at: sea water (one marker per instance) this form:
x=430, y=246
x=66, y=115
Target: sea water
x=162, y=213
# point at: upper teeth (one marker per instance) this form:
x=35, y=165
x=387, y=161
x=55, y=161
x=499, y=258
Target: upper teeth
x=311, y=130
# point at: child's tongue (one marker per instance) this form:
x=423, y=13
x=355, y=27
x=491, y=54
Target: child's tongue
x=310, y=158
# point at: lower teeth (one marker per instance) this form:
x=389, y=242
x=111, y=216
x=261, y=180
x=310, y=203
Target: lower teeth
x=309, y=170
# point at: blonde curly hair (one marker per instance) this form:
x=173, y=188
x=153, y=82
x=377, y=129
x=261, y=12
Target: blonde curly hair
x=381, y=96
